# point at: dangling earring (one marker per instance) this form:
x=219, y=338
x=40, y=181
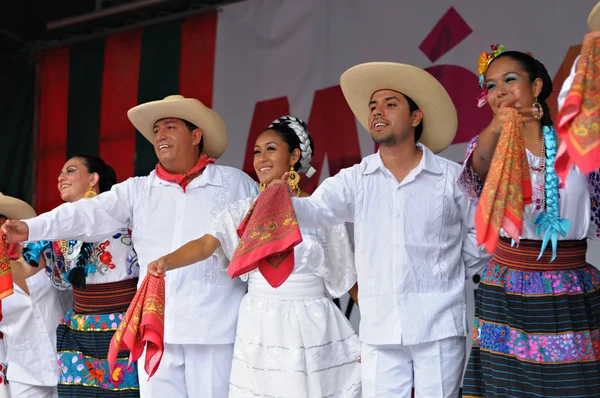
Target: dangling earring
x=262, y=186
x=90, y=193
x=294, y=180
x=538, y=110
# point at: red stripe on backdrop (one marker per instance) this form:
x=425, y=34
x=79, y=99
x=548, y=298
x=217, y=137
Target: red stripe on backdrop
x=120, y=79
x=197, y=59
x=53, y=110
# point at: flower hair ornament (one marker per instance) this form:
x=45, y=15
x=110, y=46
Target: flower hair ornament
x=482, y=65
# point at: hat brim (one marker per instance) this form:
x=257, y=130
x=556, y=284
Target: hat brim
x=214, y=131
x=440, y=120
x=15, y=209
x=594, y=18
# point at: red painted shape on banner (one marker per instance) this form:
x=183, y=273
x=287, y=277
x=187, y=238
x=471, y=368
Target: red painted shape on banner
x=450, y=30
x=463, y=87
x=333, y=130
x=264, y=113
x=52, y=138
x=197, y=59
x=120, y=79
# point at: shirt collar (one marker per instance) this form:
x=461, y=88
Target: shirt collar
x=210, y=176
x=428, y=162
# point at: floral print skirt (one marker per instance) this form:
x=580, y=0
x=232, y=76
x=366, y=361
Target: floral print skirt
x=537, y=325
x=82, y=345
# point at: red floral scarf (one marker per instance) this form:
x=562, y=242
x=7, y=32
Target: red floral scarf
x=142, y=325
x=268, y=234
x=579, y=119
x=507, y=188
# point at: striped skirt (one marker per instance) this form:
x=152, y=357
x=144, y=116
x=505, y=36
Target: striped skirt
x=83, y=339
x=537, y=325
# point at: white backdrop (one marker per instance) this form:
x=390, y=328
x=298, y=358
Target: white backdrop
x=268, y=49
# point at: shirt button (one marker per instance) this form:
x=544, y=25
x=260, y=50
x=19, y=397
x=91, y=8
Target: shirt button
x=398, y=216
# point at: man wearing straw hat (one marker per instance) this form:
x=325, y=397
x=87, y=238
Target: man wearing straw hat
x=29, y=319
x=166, y=209
x=414, y=232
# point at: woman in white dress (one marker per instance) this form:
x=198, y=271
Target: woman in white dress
x=291, y=341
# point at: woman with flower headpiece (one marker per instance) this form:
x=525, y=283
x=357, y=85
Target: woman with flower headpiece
x=537, y=313
x=103, y=276
x=291, y=340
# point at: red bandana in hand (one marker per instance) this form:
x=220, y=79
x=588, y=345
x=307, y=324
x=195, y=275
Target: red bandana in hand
x=183, y=179
x=507, y=188
x=142, y=325
x=578, y=123
x=268, y=234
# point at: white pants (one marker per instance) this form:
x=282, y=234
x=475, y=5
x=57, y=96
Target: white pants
x=189, y=371
x=28, y=391
x=435, y=368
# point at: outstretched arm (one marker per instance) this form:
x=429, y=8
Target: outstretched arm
x=87, y=220
x=190, y=253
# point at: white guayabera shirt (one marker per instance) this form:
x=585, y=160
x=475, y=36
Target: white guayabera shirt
x=414, y=241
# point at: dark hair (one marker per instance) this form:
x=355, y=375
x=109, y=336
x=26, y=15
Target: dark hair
x=536, y=70
x=412, y=106
x=289, y=136
x=191, y=126
x=94, y=164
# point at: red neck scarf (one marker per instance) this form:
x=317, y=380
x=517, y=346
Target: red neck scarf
x=268, y=234
x=579, y=118
x=507, y=188
x=185, y=178
x=142, y=325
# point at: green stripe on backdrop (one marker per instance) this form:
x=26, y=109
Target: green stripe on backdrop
x=159, y=77
x=85, y=90
x=17, y=77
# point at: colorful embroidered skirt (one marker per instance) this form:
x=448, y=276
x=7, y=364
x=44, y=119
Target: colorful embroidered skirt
x=537, y=325
x=83, y=339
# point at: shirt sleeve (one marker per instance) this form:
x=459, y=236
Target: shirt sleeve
x=564, y=90
x=224, y=226
x=332, y=203
x=87, y=220
x=468, y=180
x=338, y=270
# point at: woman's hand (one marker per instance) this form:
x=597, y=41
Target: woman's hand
x=158, y=267
x=501, y=115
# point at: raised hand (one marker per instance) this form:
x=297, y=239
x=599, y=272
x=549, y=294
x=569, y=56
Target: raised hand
x=501, y=114
x=15, y=231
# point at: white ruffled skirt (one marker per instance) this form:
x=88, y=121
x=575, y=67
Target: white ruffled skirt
x=293, y=342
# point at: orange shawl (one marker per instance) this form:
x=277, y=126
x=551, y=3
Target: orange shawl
x=268, y=234
x=507, y=188
x=142, y=325
x=579, y=119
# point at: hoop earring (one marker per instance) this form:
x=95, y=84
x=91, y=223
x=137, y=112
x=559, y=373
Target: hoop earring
x=538, y=110
x=90, y=193
x=294, y=180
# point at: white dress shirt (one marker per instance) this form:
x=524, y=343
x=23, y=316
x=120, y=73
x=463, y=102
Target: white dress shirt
x=29, y=325
x=202, y=301
x=414, y=246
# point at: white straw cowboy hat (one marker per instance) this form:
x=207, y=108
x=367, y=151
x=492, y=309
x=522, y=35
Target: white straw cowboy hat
x=594, y=18
x=440, y=120
x=213, y=128
x=15, y=209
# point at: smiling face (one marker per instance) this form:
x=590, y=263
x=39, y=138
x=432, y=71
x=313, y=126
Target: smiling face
x=272, y=157
x=506, y=80
x=390, y=119
x=175, y=145
x=75, y=180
